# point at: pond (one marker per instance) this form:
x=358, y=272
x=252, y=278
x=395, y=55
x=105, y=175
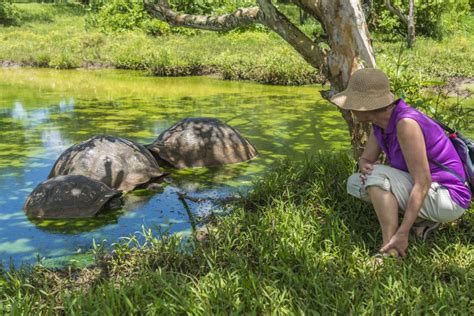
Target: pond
x=43, y=112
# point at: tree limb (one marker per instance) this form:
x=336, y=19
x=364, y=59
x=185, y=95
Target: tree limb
x=265, y=14
x=396, y=11
x=281, y=25
x=223, y=23
x=313, y=7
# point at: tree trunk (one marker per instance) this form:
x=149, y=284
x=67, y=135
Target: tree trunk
x=343, y=21
x=411, y=24
x=303, y=16
x=351, y=49
x=408, y=20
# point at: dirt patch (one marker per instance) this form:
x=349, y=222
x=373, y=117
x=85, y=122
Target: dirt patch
x=10, y=64
x=460, y=86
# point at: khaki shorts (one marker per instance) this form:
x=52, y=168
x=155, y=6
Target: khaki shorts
x=437, y=207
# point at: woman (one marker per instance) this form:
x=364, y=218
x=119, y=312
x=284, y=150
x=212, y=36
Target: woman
x=425, y=193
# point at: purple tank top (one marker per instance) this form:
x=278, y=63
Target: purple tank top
x=438, y=147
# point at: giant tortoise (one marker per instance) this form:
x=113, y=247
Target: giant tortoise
x=118, y=162
x=71, y=196
x=202, y=142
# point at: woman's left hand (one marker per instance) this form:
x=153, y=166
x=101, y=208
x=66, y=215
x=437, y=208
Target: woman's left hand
x=398, y=242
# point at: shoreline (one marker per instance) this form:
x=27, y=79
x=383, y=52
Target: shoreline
x=462, y=86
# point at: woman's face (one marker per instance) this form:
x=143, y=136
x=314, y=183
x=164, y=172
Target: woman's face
x=364, y=116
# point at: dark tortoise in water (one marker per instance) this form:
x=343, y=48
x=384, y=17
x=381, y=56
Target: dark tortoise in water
x=202, y=142
x=70, y=196
x=118, y=162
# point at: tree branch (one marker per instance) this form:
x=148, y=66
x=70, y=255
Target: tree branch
x=223, y=23
x=265, y=14
x=313, y=7
x=281, y=25
x=396, y=11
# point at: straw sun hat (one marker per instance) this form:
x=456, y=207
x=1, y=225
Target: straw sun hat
x=368, y=89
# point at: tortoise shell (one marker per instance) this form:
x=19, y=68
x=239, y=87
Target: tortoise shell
x=117, y=162
x=71, y=196
x=202, y=142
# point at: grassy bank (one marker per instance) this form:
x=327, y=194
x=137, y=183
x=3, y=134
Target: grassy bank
x=297, y=244
x=56, y=36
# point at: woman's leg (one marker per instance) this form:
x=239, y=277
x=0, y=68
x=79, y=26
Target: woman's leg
x=387, y=189
x=386, y=208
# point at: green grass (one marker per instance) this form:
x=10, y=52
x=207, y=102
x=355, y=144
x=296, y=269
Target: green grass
x=451, y=57
x=56, y=36
x=297, y=244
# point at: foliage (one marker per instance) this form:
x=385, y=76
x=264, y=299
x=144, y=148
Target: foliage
x=58, y=39
x=297, y=244
x=434, y=18
x=209, y=6
x=431, y=96
x=123, y=15
x=280, y=66
x=8, y=13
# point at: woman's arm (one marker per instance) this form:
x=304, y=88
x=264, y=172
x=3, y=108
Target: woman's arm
x=412, y=143
x=372, y=149
x=369, y=157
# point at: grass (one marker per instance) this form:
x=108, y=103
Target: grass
x=56, y=36
x=59, y=39
x=297, y=244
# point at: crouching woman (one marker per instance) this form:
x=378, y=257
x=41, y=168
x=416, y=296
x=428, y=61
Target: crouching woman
x=417, y=183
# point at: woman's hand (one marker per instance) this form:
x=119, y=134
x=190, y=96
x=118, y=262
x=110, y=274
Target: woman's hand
x=398, y=242
x=366, y=167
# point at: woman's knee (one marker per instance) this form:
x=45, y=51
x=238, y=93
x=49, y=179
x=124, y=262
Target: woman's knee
x=354, y=185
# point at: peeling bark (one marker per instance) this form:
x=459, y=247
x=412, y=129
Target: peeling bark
x=351, y=49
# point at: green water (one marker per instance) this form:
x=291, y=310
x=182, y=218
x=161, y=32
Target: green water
x=43, y=112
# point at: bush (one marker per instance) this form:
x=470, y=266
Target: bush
x=8, y=13
x=123, y=15
x=280, y=66
x=433, y=18
x=430, y=96
x=209, y=6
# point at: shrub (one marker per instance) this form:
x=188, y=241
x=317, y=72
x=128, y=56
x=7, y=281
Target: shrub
x=209, y=6
x=63, y=60
x=122, y=15
x=8, y=13
x=430, y=96
x=433, y=18
x=280, y=66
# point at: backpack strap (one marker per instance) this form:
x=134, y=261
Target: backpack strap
x=444, y=126
x=447, y=169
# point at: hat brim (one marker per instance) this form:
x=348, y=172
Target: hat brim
x=351, y=100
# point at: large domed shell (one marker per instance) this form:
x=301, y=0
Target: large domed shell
x=70, y=196
x=117, y=162
x=202, y=142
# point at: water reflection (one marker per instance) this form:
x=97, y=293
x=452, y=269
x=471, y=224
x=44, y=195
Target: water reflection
x=43, y=112
x=66, y=106
x=18, y=112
